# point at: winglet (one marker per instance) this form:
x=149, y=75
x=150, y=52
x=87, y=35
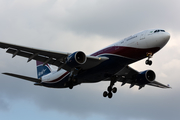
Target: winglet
x=169, y=86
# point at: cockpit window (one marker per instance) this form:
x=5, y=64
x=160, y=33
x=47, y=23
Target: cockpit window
x=159, y=31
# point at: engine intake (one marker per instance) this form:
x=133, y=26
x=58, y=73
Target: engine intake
x=76, y=59
x=146, y=77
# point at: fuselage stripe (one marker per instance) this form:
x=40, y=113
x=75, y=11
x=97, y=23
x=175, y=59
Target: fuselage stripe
x=127, y=52
x=58, y=79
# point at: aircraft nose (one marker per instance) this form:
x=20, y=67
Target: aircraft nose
x=164, y=39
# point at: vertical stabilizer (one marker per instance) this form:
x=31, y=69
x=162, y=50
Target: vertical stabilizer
x=42, y=70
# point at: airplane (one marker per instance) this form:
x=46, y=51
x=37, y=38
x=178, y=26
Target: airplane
x=108, y=64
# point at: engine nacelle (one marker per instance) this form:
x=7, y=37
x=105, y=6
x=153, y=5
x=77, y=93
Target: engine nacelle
x=146, y=77
x=76, y=59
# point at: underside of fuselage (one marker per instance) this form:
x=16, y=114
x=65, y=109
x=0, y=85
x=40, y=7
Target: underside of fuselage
x=96, y=74
x=118, y=59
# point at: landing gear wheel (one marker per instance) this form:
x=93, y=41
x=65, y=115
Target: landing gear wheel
x=110, y=95
x=114, y=90
x=148, y=62
x=70, y=86
x=109, y=89
x=105, y=94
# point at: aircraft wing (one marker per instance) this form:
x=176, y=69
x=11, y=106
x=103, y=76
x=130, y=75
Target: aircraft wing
x=128, y=75
x=46, y=56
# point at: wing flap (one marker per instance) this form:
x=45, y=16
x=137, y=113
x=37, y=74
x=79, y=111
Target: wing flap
x=23, y=77
x=33, y=50
x=41, y=58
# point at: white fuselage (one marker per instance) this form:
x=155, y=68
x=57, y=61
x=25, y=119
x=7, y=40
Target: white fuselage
x=145, y=39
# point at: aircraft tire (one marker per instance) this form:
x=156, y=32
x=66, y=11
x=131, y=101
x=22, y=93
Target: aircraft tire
x=150, y=62
x=109, y=89
x=105, y=94
x=110, y=95
x=114, y=90
x=70, y=87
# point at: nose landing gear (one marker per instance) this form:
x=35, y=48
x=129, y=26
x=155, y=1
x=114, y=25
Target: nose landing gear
x=149, y=62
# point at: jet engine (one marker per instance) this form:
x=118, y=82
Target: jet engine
x=76, y=59
x=146, y=77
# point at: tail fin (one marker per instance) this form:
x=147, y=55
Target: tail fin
x=42, y=70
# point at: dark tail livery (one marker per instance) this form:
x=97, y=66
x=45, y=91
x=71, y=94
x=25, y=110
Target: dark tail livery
x=42, y=70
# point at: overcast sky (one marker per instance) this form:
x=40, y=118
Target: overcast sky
x=87, y=25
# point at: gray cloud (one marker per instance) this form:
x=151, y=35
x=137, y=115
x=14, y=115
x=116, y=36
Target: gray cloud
x=116, y=18
x=3, y=105
x=67, y=26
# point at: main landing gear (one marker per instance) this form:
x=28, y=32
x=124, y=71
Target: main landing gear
x=149, y=62
x=111, y=89
x=70, y=84
x=72, y=80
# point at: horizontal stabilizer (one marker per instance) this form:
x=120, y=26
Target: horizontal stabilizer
x=23, y=77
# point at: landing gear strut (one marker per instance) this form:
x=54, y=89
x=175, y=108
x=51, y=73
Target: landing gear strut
x=149, y=62
x=111, y=89
x=71, y=80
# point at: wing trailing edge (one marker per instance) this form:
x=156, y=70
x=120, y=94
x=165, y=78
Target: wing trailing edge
x=129, y=72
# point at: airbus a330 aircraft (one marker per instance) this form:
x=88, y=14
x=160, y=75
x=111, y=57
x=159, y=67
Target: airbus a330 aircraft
x=108, y=64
